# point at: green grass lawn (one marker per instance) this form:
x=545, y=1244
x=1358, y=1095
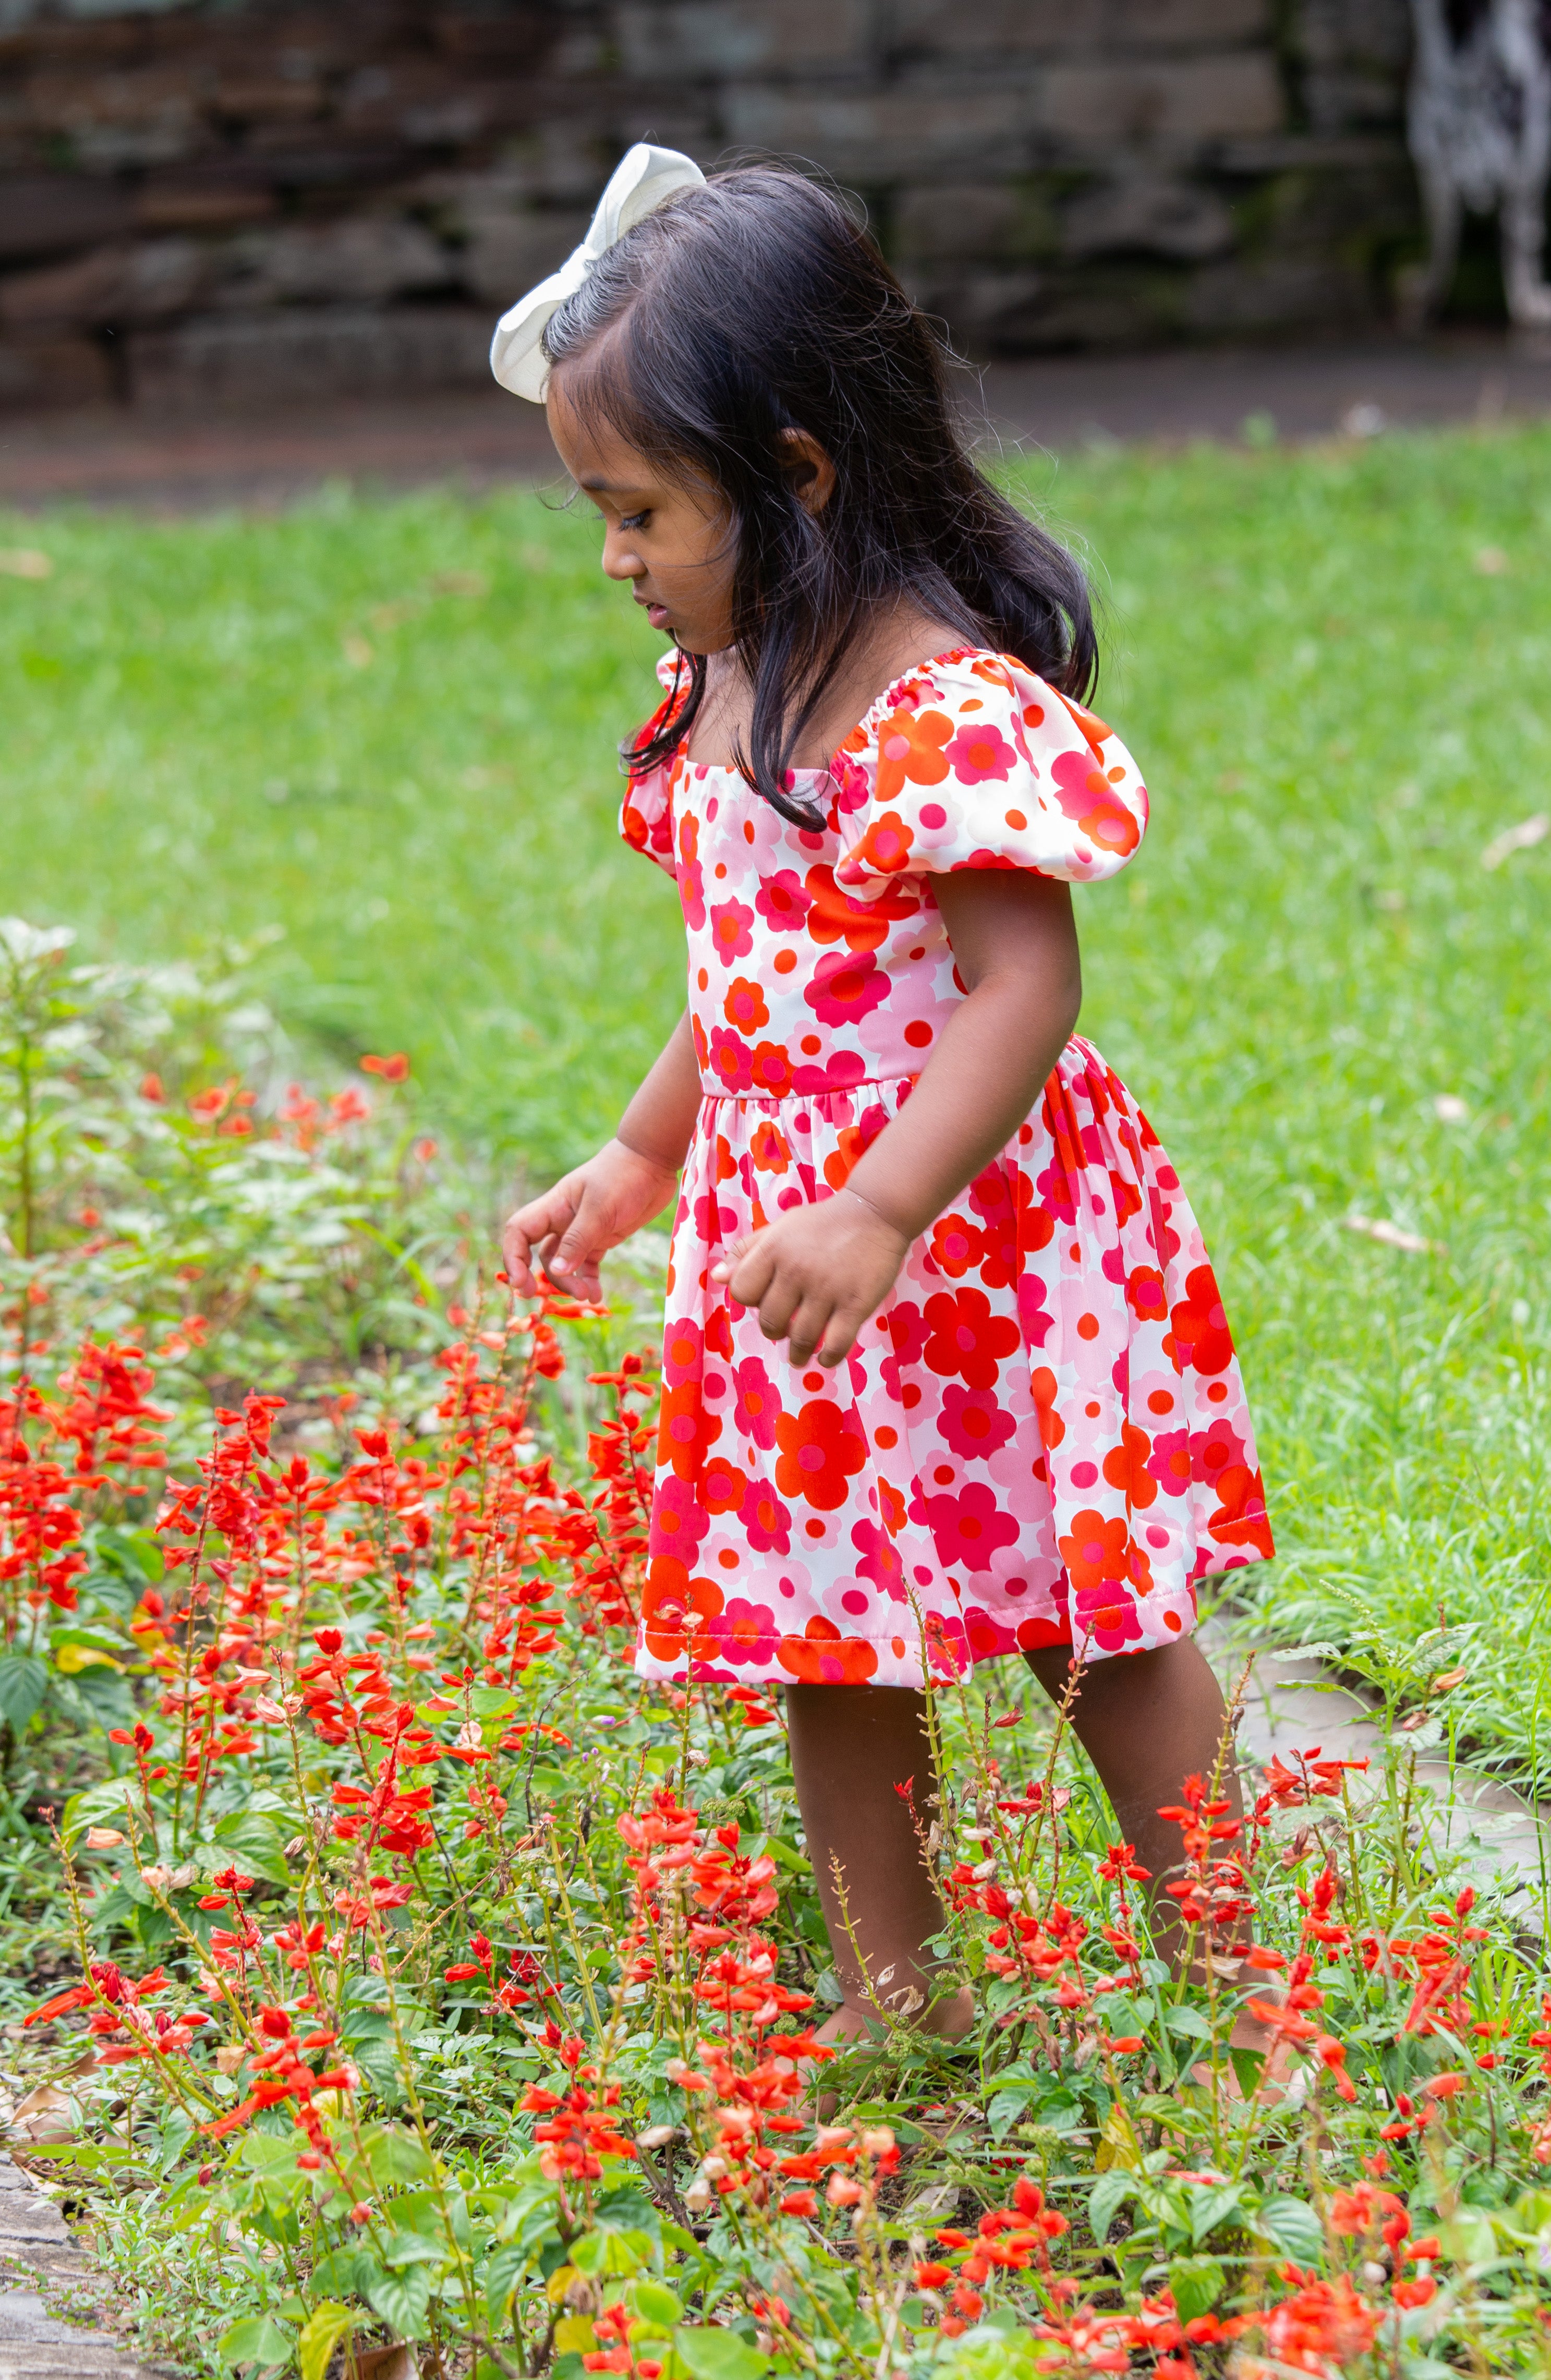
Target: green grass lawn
x=381, y=735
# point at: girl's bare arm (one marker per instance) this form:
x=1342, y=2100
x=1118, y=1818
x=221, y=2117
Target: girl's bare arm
x=817, y=1272
x=567, y=1230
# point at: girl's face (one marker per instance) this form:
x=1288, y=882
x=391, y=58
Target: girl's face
x=675, y=545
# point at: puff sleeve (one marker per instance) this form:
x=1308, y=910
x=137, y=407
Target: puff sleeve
x=972, y=762
x=646, y=816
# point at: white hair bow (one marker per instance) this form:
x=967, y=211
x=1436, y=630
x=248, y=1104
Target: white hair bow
x=640, y=182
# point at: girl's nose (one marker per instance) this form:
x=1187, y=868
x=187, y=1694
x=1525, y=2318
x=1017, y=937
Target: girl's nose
x=620, y=561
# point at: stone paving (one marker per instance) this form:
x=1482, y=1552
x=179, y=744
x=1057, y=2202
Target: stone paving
x=120, y=455
x=37, y=2248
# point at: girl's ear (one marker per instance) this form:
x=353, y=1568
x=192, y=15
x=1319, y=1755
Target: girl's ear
x=806, y=469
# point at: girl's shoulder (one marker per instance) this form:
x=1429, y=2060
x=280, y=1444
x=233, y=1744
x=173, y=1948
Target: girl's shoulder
x=971, y=760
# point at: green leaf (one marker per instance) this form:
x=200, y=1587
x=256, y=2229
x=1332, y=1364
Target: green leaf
x=325, y=2327
x=258, y=2338
x=254, y=1841
x=401, y=2296
x=23, y=1684
x=653, y=2301
x=1196, y=2282
x=1211, y=2206
x=1468, y=2238
x=1291, y=2225
x=718, y=2355
x=1188, y=2025
x=1109, y=2194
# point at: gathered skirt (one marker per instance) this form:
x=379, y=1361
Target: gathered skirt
x=1041, y=1437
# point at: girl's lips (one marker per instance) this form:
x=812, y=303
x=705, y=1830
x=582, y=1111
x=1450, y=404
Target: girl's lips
x=658, y=615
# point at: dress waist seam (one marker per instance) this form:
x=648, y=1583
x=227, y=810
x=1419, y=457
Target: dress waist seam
x=802, y=1098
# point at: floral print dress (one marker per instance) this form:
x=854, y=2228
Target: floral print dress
x=1041, y=1437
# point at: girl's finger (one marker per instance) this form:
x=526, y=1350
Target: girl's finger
x=754, y=1272
x=839, y=1338
x=777, y=1306
x=727, y=1264
x=807, y=1327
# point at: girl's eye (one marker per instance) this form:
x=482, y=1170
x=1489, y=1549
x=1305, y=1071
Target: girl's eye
x=633, y=520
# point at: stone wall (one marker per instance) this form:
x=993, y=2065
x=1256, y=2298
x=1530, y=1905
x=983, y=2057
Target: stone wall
x=206, y=202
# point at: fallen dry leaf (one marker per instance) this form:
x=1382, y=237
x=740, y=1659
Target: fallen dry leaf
x=1492, y=561
x=1391, y=1235
x=1523, y=837
x=24, y=562
x=395, y=2362
x=228, y=2060
x=356, y=651
x=460, y=582
x=1449, y=1679
x=44, y=2115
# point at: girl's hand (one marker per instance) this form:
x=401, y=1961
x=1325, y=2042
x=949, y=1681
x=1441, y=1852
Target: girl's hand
x=568, y=1231
x=816, y=1274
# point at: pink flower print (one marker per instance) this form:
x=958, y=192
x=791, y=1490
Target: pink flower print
x=978, y=751
x=1170, y=1461
x=878, y=1559
x=757, y=1402
x=744, y=1631
x=967, y=1528
x=683, y=1353
x=973, y=1423
x=731, y=1061
x=730, y=936
x=678, y=1522
x=1104, y=1618
x=1033, y=1317
x=1086, y=794
x=765, y=1519
x=846, y=986
x=745, y=1005
x=783, y=901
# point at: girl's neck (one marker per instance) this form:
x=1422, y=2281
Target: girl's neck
x=884, y=649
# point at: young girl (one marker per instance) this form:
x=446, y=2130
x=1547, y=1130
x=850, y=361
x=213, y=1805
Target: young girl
x=946, y=1371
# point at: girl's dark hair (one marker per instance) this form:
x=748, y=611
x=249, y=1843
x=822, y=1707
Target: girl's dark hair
x=756, y=305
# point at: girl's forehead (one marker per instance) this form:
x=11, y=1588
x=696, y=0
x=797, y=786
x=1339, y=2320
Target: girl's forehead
x=592, y=450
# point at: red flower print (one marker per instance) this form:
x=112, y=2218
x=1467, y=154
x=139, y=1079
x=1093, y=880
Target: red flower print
x=968, y=1528
x=672, y=1605
x=1096, y=1552
x=966, y=1337
x=746, y=1631
x=691, y=876
x=684, y=1429
x=765, y=1519
x=722, y=1487
x=883, y=850
x=730, y=936
x=844, y=988
x=1052, y=1429
x=718, y=1333
x=745, y=1005
x=1202, y=1339
x=822, y=1657
x=979, y=752
x=1086, y=794
x=768, y=1148
x=861, y=925
x=820, y=1452
x=853, y=1140
x=678, y=1522
x=1240, y=1519
x=782, y=902
x=878, y=1559
x=956, y=1246
x=910, y=751
x=682, y=1358
x=973, y=1423
x=1170, y=1461
x=1126, y=1467
x=757, y=1403
x=770, y=1070
x=1145, y=1293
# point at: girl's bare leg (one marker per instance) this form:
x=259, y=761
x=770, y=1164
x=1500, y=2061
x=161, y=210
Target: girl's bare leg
x=851, y=1746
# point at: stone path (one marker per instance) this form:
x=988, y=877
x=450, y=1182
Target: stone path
x=483, y=438
x=35, y=2247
